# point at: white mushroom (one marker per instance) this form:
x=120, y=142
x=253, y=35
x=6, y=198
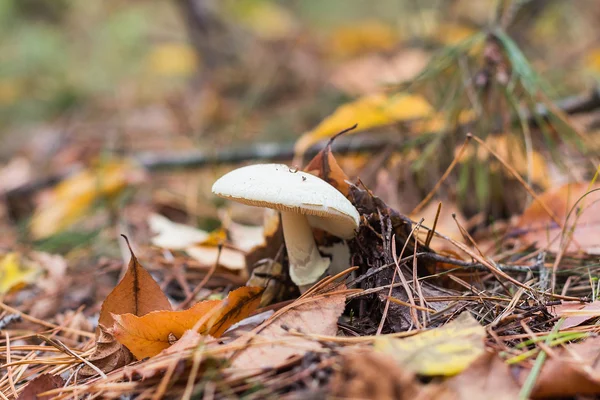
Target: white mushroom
x=304, y=200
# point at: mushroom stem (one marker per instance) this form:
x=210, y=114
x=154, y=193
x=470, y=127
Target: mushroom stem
x=306, y=263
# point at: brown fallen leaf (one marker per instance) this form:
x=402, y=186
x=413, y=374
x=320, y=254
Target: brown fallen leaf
x=574, y=371
x=41, y=384
x=148, y=335
x=325, y=166
x=370, y=375
x=489, y=377
x=108, y=355
x=136, y=294
x=274, y=344
x=538, y=227
x=576, y=313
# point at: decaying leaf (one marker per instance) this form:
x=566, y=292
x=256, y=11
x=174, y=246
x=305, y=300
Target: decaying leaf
x=108, y=355
x=446, y=350
x=136, y=294
x=573, y=371
x=148, y=335
x=368, y=112
x=538, y=227
x=370, y=375
x=15, y=274
x=41, y=384
x=73, y=197
x=274, y=344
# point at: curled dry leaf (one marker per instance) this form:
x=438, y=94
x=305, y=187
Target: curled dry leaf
x=446, y=350
x=325, y=166
x=148, y=335
x=273, y=343
x=108, y=355
x=136, y=294
x=536, y=226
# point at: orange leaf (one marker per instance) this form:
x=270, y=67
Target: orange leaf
x=137, y=294
x=148, y=335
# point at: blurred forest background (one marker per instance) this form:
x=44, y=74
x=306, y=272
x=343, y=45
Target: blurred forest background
x=200, y=83
x=116, y=117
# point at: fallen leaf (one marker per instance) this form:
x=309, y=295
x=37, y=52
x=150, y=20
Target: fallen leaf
x=41, y=384
x=208, y=255
x=245, y=237
x=368, y=112
x=274, y=344
x=371, y=375
x=576, y=313
x=174, y=236
x=136, y=294
x=74, y=196
x=537, y=227
x=15, y=274
x=488, y=377
x=446, y=350
x=325, y=166
x=445, y=225
x=108, y=355
x=173, y=60
x=200, y=245
x=148, y=335
x=574, y=371
x=361, y=37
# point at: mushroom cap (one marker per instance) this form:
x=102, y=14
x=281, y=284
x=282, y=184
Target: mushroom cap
x=282, y=188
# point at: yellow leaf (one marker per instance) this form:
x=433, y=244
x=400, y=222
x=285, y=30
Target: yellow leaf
x=362, y=37
x=368, y=112
x=173, y=60
x=446, y=350
x=13, y=274
x=74, y=196
x=148, y=335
